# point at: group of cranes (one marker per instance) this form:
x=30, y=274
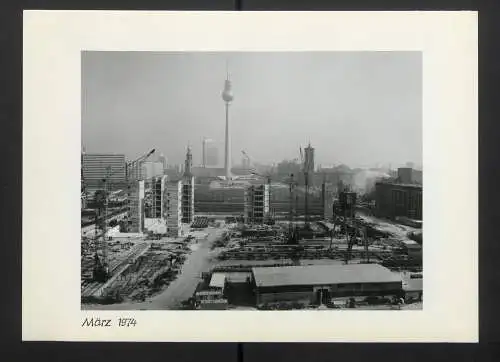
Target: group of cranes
x=293, y=232
x=352, y=228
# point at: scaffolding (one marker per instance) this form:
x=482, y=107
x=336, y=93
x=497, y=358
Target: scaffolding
x=257, y=204
x=136, y=206
x=154, y=203
x=188, y=199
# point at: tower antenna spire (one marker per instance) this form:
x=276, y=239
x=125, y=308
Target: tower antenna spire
x=227, y=97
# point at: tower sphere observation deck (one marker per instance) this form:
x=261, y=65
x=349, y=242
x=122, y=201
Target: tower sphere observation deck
x=227, y=94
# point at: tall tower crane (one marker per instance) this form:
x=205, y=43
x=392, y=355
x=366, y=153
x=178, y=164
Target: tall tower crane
x=352, y=230
x=101, y=267
x=83, y=184
x=247, y=157
x=251, y=164
x=292, y=230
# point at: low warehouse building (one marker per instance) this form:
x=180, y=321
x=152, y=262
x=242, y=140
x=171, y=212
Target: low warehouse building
x=413, y=289
x=213, y=297
x=313, y=284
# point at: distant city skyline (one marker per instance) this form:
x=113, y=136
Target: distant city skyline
x=361, y=109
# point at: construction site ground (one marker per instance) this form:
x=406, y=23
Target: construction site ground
x=179, y=289
x=211, y=252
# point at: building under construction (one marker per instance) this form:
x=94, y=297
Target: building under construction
x=136, y=207
x=256, y=206
x=173, y=208
x=155, y=204
x=188, y=190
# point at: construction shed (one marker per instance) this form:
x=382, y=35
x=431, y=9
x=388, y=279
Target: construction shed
x=218, y=281
x=413, y=289
x=320, y=284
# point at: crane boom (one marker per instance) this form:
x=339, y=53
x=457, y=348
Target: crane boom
x=249, y=160
x=101, y=269
x=128, y=165
x=136, y=161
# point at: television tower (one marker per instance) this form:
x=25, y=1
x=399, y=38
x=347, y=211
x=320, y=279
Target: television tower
x=227, y=97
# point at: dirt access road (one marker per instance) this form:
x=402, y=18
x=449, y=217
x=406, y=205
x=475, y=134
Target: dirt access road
x=181, y=288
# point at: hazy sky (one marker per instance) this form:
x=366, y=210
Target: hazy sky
x=357, y=108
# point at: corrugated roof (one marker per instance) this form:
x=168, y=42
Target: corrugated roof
x=323, y=275
x=218, y=280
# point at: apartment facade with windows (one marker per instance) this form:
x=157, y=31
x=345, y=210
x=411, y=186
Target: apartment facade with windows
x=173, y=208
x=398, y=200
x=136, y=194
x=256, y=204
x=98, y=166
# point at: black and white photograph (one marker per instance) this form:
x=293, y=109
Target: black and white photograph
x=251, y=180
x=268, y=164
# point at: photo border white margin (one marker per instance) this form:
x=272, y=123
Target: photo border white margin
x=52, y=42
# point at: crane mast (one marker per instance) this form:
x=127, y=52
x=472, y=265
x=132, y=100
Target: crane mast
x=101, y=268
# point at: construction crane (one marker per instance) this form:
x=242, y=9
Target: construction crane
x=247, y=157
x=351, y=234
x=352, y=230
x=251, y=166
x=292, y=230
x=135, y=163
x=83, y=186
x=305, y=169
x=332, y=231
x=365, y=244
x=101, y=268
x=83, y=183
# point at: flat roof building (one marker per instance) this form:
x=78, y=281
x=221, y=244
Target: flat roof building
x=218, y=280
x=398, y=200
x=408, y=175
x=96, y=166
x=320, y=284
